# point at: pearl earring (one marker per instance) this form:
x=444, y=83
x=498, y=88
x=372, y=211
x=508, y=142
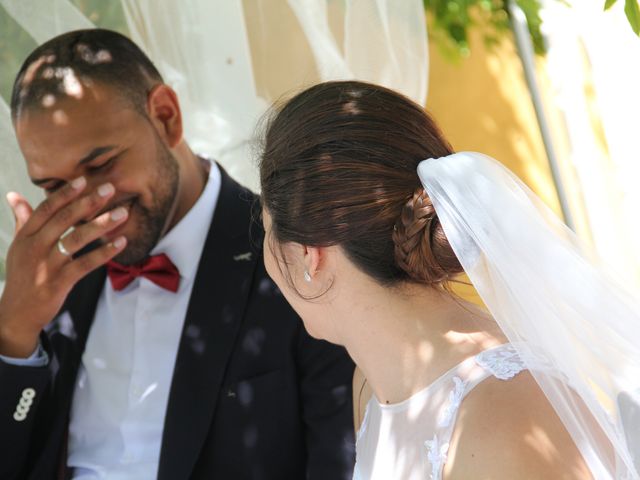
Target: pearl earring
x=307, y=277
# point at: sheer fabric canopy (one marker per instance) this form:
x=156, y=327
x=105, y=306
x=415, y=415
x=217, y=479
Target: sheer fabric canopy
x=228, y=61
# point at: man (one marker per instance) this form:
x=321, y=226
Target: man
x=179, y=358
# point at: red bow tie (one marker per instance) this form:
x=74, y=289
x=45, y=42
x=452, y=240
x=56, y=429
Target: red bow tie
x=157, y=268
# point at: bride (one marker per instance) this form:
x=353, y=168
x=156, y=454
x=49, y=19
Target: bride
x=370, y=217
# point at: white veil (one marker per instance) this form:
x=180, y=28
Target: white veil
x=228, y=60
x=571, y=322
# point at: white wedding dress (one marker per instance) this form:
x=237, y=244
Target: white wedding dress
x=409, y=440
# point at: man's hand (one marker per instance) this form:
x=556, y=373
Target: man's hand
x=39, y=274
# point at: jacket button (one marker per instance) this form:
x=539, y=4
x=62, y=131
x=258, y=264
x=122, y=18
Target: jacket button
x=29, y=393
x=18, y=417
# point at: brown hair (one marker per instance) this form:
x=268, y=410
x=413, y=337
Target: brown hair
x=339, y=168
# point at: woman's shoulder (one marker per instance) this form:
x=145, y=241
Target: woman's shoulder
x=507, y=428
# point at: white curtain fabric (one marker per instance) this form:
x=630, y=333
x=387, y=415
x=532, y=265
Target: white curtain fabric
x=13, y=176
x=208, y=53
x=229, y=60
x=203, y=53
x=42, y=20
x=593, y=68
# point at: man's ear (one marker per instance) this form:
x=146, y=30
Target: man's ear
x=164, y=111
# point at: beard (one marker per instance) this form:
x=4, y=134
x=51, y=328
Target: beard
x=151, y=221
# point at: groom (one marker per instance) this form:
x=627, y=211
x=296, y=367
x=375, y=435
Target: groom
x=140, y=336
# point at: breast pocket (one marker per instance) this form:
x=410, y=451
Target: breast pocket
x=263, y=388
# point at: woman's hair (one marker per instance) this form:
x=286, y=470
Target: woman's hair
x=338, y=167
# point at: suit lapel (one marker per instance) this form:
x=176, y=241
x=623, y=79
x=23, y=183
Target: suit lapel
x=68, y=342
x=83, y=301
x=213, y=318
x=71, y=339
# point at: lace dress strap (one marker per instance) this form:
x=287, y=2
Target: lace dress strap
x=502, y=362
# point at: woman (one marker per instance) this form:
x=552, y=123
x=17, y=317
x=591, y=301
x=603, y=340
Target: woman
x=354, y=243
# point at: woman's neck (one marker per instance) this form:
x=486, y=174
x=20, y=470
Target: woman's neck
x=404, y=338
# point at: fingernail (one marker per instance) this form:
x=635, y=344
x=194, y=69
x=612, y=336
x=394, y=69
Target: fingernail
x=79, y=183
x=105, y=190
x=119, y=242
x=118, y=214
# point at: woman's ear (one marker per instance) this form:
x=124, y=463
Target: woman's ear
x=314, y=261
x=164, y=111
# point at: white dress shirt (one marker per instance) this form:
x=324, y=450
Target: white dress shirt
x=122, y=389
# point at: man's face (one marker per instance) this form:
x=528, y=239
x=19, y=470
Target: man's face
x=99, y=136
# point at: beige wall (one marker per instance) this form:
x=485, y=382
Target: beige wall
x=482, y=103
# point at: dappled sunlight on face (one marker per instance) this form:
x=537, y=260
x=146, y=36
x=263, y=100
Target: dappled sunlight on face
x=60, y=118
x=48, y=100
x=94, y=58
x=47, y=82
x=70, y=83
x=32, y=71
x=100, y=136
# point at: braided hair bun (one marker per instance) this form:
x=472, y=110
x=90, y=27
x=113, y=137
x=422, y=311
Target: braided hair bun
x=421, y=247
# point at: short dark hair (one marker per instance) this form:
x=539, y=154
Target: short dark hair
x=339, y=167
x=92, y=55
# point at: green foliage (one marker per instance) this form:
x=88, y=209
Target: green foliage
x=453, y=19
x=631, y=10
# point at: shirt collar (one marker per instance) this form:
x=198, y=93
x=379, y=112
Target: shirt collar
x=185, y=241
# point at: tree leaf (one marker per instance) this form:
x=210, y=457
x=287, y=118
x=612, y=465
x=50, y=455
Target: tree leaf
x=632, y=9
x=456, y=18
x=609, y=3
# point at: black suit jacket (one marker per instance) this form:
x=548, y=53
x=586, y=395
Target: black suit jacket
x=252, y=395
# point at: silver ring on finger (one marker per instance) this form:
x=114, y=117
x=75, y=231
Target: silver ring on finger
x=63, y=250
x=61, y=247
